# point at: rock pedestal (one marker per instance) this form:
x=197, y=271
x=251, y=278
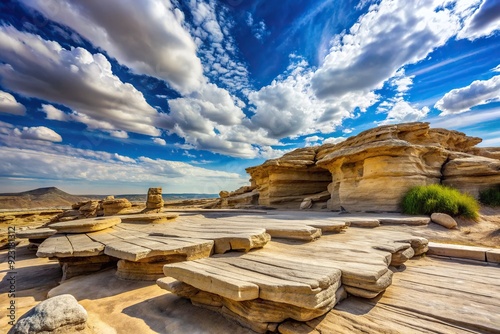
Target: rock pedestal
x=155, y=199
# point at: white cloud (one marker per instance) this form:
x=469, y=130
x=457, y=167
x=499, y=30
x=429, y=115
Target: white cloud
x=259, y=29
x=54, y=114
x=267, y=152
x=155, y=42
x=75, y=78
x=334, y=140
x=313, y=140
x=288, y=106
x=496, y=69
x=463, y=99
x=348, y=130
x=9, y=105
x=123, y=158
x=484, y=22
x=160, y=141
x=119, y=134
x=40, y=133
x=211, y=29
x=460, y=121
x=46, y=160
x=390, y=35
x=402, y=112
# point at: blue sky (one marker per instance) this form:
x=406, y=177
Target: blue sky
x=116, y=96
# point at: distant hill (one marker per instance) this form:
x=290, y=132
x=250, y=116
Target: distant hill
x=50, y=197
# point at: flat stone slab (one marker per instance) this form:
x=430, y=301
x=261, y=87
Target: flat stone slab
x=153, y=218
x=86, y=225
x=458, y=251
x=69, y=245
x=38, y=233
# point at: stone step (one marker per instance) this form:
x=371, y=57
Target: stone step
x=465, y=252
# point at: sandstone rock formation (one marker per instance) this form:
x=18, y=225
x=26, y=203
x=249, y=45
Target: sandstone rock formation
x=89, y=209
x=290, y=178
x=116, y=206
x=242, y=197
x=154, y=200
x=373, y=170
x=56, y=315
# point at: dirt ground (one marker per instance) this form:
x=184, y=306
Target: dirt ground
x=485, y=232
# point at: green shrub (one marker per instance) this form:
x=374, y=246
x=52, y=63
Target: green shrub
x=425, y=200
x=490, y=196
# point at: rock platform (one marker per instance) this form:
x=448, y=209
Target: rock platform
x=430, y=296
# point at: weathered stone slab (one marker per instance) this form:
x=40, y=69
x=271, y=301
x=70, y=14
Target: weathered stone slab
x=85, y=225
x=38, y=233
x=493, y=255
x=152, y=218
x=430, y=296
x=458, y=251
x=57, y=245
x=205, y=279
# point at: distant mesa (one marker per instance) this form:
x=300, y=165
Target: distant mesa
x=50, y=197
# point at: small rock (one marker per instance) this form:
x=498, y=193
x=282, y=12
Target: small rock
x=224, y=194
x=306, y=204
x=60, y=314
x=444, y=220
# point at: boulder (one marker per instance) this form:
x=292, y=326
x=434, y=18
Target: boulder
x=116, y=206
x=444, y=220
x=60, y=314
x=306, y=204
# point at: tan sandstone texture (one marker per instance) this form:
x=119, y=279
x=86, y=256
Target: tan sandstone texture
x=155, y=199
x=374, y=169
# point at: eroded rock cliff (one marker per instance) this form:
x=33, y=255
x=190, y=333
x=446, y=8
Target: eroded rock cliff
x=374, y=169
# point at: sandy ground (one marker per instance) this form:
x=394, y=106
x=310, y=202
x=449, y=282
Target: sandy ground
x=485, y=232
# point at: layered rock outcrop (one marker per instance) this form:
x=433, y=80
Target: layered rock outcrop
x=373, y=170
x=290, y=178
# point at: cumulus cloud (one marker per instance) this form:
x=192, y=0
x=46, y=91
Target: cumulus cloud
x=463, y=99
x=159, y=141
x=9, y=105
x=288, y=106
x=484, y=22
x=402, y=112
x=155, y=43
x=363, y=58
x=40, y=133
x=82, y=81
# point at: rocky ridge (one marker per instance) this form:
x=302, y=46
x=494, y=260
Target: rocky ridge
x=385, y=161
